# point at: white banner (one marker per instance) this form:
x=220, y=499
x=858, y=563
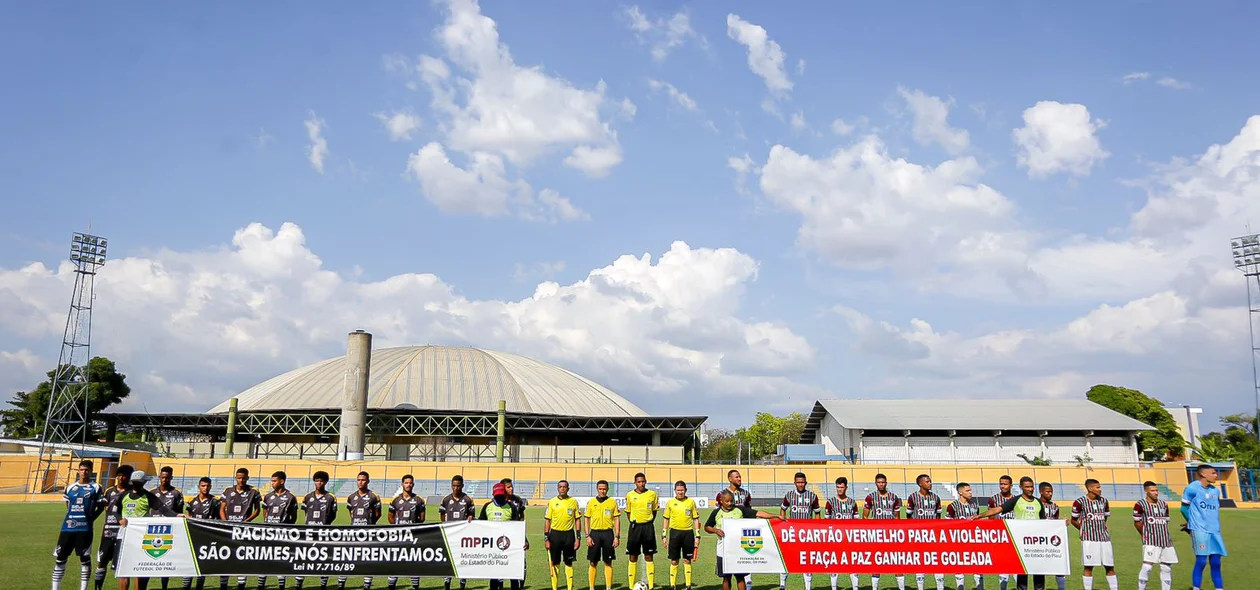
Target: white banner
x=701, y=503
x=155, y=548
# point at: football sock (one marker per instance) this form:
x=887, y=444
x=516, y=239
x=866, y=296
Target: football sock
x=59, y=572
x=1165, y=576
x=687, y=573
x=673, y=574
x=590, y=575
x=568, y=576
x=1113, y=582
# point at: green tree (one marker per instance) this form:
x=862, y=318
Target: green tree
x=768, y=431
x=1038, y=461
x=25, y=419
x=720, y=446
x=1164, y=441
x=1238, y=442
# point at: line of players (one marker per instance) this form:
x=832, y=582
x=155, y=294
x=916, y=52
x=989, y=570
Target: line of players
x=564, y=522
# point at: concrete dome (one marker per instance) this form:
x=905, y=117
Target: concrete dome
x=440, y=378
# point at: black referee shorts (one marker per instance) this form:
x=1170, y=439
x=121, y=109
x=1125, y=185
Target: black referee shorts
x=603, y=548
x=562, y=547
x=78, y=542
x=642, y=539
x=682, y=544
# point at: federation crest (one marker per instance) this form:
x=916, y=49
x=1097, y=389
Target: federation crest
x=750, y=540
x=157, y=540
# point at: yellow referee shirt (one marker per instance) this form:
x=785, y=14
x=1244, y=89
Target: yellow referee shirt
x=681, y=514
x=642, y=507
x=563, y=513
x=602, y=514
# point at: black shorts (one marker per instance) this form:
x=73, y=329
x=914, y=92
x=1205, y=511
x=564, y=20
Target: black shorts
x=107, y=552
x=722, y=574
x=603, y=549
x=562, y=547
x=79, y=543
x=642, y=539
x=682, y=544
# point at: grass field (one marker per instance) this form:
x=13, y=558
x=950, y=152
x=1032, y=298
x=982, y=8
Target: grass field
x=26, y=561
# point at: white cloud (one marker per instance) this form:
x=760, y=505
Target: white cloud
x=1058, y=138
x=1136, y=77
x=839, y=127
x=400, y=124
x=554, y=207
x=742, y=167
x=800, y=67
x=680, y=97
x=317, y=151
x=1170, y=82
x=798, y=122
x=595, y=162
x=483, y=188
x=663, y=332
x=663, y=35
x=765, y=57
x=931, y=123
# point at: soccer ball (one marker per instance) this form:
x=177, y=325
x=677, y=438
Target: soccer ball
x=641, y=586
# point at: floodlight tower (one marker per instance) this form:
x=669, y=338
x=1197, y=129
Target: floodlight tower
x=67, y=418
x=1247, y=259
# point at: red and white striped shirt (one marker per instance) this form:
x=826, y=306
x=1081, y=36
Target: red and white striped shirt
x=920, y=507
x=1154, y=519
x=883, y=507
x=997, y=500
x=845, y=509
x=963, y=509
x=1092, y=515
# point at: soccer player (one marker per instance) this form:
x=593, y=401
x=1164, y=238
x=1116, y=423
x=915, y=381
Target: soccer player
x=136, y=502
x=562, y=528
x=406, y=508
x=83, y=505
x=239, y=503
x=280, y=506
x=203, y=506
x=1150, y=517
x=842, y=507
x=321, y=510
x=964, y=508
x=641, y=507
x=498, y=509
x=682, y=523
x=728, y=509
x=1052, y=513
x=603, y=533
x=1089, y=514
x=109, y=532
x=799, y=504
x=735, y=485
x=457, y=506
x=1201, y=507
x=925, y=505
x=365, y=510
x=1002, y=497
x=521, y=504
x=883, y=505
x=170, y=496
x=1026, y=506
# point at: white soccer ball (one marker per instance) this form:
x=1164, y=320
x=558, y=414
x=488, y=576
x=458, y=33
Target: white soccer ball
x=641, y=586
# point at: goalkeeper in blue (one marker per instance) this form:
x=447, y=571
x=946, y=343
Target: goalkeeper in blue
x=1201, y=505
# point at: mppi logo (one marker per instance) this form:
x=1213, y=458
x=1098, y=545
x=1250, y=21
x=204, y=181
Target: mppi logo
x=1053, y=540
x=502, y=543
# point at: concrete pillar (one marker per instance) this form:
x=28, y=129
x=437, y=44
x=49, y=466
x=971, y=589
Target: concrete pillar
x=498, y=433
x=111, y=432
x=354, y=405
x=656, y=438
x=231, y=428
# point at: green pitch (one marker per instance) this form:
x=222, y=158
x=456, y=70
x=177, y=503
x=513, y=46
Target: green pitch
x=26, y=558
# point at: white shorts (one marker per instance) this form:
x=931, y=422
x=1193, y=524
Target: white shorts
x=1097, y=553
x=1153, y=554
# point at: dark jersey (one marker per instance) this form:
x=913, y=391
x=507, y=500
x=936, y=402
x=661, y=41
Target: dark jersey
x=240, y=504
x=112, y=512
x=139, y=504
x=453, y=509
x=172, y=498
x=207, y=509
x=885, y=507
x=963, y=509
x=320, y=509
x=406, y=510
x=280, y=508
x=846, y=509
x=365, y=508
x=82, y=507
x=520, y=504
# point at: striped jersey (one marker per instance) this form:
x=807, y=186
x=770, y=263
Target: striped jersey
x=1092, y=515
x=112, y=512
x=883, y=507
x=845, y=509
x=741, y=497
x=997, y=500
x=963, y=509
x=800, y=505
x=920, y=507
x=1052, y=511
x=1154, y=519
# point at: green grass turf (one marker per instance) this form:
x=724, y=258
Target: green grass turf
x=26, y=558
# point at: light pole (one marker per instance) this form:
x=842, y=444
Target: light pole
x=1247, y=260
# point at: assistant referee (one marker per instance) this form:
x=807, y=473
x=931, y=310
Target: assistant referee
x=682, y=523
x=641, y=507
x=603, y=533
x=561, y=527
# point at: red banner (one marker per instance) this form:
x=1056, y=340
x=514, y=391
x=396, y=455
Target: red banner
x=897, y=547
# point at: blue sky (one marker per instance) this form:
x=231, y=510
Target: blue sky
x=875, y=201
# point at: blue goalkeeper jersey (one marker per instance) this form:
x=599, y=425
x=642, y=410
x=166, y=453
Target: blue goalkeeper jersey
x=82, y=503
x=1203, y=507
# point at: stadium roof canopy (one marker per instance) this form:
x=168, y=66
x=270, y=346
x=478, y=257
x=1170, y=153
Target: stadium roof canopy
x=442, y=379
x=969, y=414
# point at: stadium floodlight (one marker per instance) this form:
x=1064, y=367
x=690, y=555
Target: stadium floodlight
x=1246, y=251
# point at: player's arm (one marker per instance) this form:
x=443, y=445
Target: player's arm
x=547, y=521
x=376, y=509
x=656, y=505
x=816, y=508
x=669, y=506
x=98, y=506
x=292, y=512
x=710, y=526
x=420, y=510
x=1139, y=517
x=223, y=508
x=750, y=513
x=474, y=508
x=1006, y=507
x=783, y=507
x=616, y=526
x=390, y=516
x=156, y=504
x=897, y=509
x=695, y=509
x=482, y=517
x=255, y=506
x=590, y=542
x=867, y=506
x=1076, y=514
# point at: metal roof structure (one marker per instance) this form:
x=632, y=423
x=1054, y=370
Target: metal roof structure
x=1035, y=414
x=440, y=379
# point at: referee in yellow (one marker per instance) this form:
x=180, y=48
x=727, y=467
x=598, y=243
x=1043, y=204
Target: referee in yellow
x=603, y=532
x=562, y=527
x=641, y=507
x=682, y=524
